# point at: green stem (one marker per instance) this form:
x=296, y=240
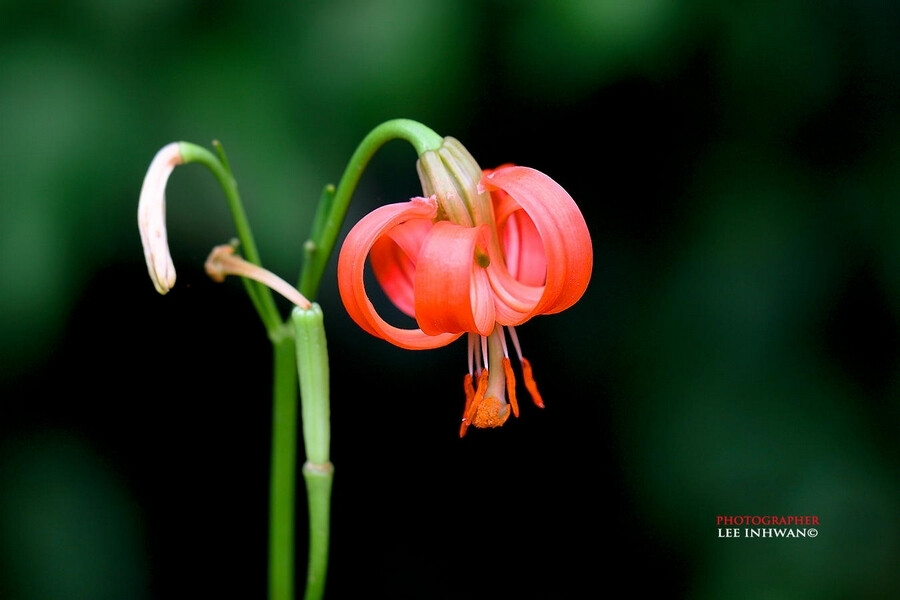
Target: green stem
x=321, y=243
x=305, y=354
x=318, y=490
x=261, y=296
x=318, y=472
x=309, y=334
x=283, y=469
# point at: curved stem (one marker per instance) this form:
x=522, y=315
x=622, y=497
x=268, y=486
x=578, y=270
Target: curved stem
x=319, y=247
x=259, y=294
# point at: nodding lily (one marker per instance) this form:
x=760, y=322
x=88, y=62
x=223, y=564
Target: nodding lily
x=479, y=253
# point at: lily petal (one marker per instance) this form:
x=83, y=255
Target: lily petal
x=351, y=269
x=522, y=246
x=563, y=233
x=520, y=239
x=452, y=292
x=393, y=258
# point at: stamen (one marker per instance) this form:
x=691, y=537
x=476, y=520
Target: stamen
x=477, y=398
x=484, y=351
x=515, y=340
x=503, y=342
x=470, y=396
x=531, y=384
x=511, y=386
x=476, y=364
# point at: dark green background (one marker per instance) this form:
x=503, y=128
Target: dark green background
x=737, y=351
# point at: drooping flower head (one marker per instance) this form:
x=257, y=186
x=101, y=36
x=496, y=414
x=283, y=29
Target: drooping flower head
x=152, y=217
x=479, y=253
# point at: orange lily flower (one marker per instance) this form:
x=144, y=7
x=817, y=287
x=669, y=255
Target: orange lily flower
x=478, y=254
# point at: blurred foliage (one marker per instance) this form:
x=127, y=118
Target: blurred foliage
x=68, y=529
x=738, y=351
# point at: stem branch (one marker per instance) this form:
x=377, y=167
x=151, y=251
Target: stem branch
x=321, y=243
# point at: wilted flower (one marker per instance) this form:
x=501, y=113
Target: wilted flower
x=222, y=261
x=152, y=217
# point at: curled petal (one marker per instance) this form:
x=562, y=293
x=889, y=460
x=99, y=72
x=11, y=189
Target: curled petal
x=152, y=217
x=351, y=269
x=452, y=290
x=515, y=301
x=522, y=248
x=393, y=259
x=563, y=234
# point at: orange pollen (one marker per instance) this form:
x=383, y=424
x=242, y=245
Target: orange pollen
x=531, y=384
x=474, y=397
x=470, y=392
x=491, y=412
x=511, y=386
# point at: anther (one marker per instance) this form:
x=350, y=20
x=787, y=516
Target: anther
x=477, y=396
x=531, y=384
x=511, y=386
